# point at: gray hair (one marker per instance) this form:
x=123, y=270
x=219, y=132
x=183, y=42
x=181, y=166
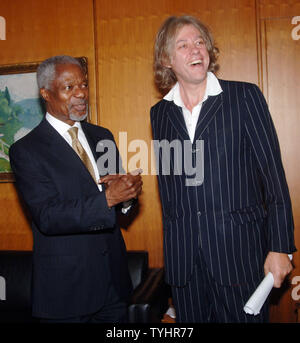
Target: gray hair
x=46, y=71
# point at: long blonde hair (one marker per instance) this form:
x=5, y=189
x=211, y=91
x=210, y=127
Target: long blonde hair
x=164, y=77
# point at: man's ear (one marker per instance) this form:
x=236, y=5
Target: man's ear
x=44, y=94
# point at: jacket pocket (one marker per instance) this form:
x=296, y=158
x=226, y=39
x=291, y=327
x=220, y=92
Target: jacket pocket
x=248, y=214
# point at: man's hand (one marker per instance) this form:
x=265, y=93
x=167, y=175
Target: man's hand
x=120, y=188
x=279, y=265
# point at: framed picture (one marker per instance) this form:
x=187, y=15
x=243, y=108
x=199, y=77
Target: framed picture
x=21, y=108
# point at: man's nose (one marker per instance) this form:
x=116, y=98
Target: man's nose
x=80, y=93
x=195, y=49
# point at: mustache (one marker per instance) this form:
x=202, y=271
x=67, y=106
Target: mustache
x=78, y=102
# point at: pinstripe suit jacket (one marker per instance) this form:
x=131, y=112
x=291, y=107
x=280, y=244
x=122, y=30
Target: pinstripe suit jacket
x=242, y=209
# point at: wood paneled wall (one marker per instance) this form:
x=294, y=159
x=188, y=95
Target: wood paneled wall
x=117, y=37
x=124, y=41
x=280, y=79
x=36, y=30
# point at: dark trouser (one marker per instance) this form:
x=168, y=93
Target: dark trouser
x=203, y=300
x=112, y=311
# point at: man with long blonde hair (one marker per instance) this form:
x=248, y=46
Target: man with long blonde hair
x=227, y=218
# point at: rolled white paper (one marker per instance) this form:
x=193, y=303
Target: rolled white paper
x=171, y=312
x=258, y=298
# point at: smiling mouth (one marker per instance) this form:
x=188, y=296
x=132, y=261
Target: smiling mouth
x=80, y=107
x=195, y=63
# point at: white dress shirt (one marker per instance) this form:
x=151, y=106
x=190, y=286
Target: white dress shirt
x=62, y=128
x=212, y=88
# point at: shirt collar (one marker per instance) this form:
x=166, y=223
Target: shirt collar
x=60, y=126
x=213, y=88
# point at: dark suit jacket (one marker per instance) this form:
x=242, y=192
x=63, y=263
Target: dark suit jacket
x=77, y=240
x=241, y=209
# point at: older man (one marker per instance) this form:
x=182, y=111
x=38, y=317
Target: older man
x=227, y=216
x=80, y=272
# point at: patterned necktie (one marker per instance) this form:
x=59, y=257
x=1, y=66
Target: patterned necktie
x=76, y=145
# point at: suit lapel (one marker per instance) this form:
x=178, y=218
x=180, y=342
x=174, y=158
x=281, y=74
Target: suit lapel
x=209, y=109
x=175, y=115
x=52, y=137
x=90, y=139
x=93, y=139
x=207, y=113
x=59, y=147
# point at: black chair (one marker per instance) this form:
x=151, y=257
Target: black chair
x=148, y=303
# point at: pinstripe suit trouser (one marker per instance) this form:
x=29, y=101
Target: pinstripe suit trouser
x=203, y=300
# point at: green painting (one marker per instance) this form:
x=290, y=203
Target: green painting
x=20, y=111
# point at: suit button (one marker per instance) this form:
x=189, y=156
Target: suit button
x=199, y=213
x=104, y=252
